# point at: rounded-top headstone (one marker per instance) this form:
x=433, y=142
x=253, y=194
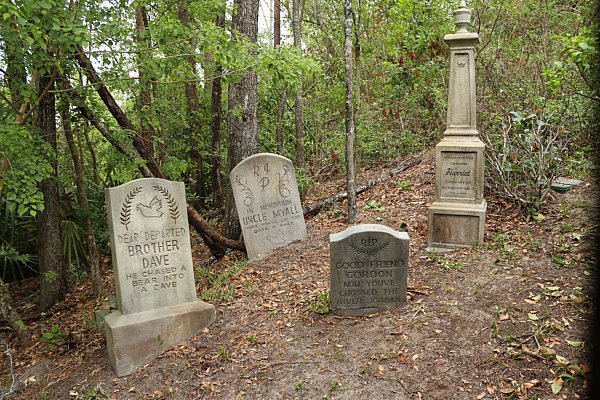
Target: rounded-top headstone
x=368, y=265
x=268, y=203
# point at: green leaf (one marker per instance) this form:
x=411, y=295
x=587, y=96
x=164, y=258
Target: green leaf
x=538, y=216
x=557, y=385
x=561, y=360
x=574, y=343
x=533, y=317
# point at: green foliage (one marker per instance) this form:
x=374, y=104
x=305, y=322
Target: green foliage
x=216, y=286
x=26, y=154
x=374, y=205
x=534, y=95
x=13, y=263
x=319, y=302
x=54, y=336
x=526, y=158
x=74, y=246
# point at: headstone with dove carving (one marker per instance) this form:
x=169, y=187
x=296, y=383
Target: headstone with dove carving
x=154, y=273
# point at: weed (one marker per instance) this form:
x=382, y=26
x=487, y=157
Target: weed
x=217, y=287
x=339, y=354
x=159, y=340
x=567, y=228
x=501, y=243
x=454, y=265
x=299, y=385
x=559, y=261
x=374, y=205
x=252, y=339
x=334, y=385
x=320, y=303
x=54, y=336
x=249, y=287
x=90, y=394
x=404, y=184
x=223, y=353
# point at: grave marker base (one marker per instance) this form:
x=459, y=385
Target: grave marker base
x=456, y=225
x=136, y=339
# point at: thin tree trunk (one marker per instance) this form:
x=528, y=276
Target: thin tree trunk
x=298, y=103
x=283, y=93
x=280, y=113
x=243, y=121
x=350, y=133
x=53, y=272
x=90, y=237
x=90, y=148
x=213, y=240
x=193, y=111
x=146, y=131
x=116, y=111
x=216, y=117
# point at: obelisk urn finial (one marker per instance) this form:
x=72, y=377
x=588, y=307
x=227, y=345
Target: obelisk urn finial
x=462, y=17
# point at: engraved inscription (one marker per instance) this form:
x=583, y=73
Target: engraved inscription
x=458, y=174
x=268, y=203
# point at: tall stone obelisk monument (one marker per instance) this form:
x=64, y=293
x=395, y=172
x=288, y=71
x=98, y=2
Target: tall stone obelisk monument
x=457, y=214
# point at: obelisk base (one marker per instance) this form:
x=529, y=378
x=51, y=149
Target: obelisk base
x=456, y=225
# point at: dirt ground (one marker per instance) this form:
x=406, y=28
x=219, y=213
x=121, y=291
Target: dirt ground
x=507, y=319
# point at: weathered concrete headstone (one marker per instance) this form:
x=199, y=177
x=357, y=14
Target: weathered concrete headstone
x=457, y=214
x=154, y=273
x=268, y=203
x=369, y=269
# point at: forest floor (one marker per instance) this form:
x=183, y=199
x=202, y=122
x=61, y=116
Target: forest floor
x=507, y=319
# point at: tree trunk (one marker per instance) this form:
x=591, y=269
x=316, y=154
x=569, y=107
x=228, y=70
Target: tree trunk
x=53, y=274
x=82, y=198
x=350, y=133
x=283, y=93
x=146, y=130
x=193, y=111
x=116, y=111
x=90, y=148
x=298, y=103
x=280, y=114
x=213, y=240
x=243, y=121
x=216, y=115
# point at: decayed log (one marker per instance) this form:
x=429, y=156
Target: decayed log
x=316, y=207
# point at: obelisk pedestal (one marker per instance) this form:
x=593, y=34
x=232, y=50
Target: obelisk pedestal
x=457, y=214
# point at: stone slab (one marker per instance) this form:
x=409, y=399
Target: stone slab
x=157, y=306
x=268, y=203
x=134, y=340
x=456, y=225
x=368, y=269
x=459, y=164
x=150, y=244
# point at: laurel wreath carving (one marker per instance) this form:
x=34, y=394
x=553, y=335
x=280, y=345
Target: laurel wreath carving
x=173, y=208
x=369, y=252
x=126, y=207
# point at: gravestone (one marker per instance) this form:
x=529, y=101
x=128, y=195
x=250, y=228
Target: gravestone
x=369, y=269
x=457, y=214
x=268, y=203
x=154, y=273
